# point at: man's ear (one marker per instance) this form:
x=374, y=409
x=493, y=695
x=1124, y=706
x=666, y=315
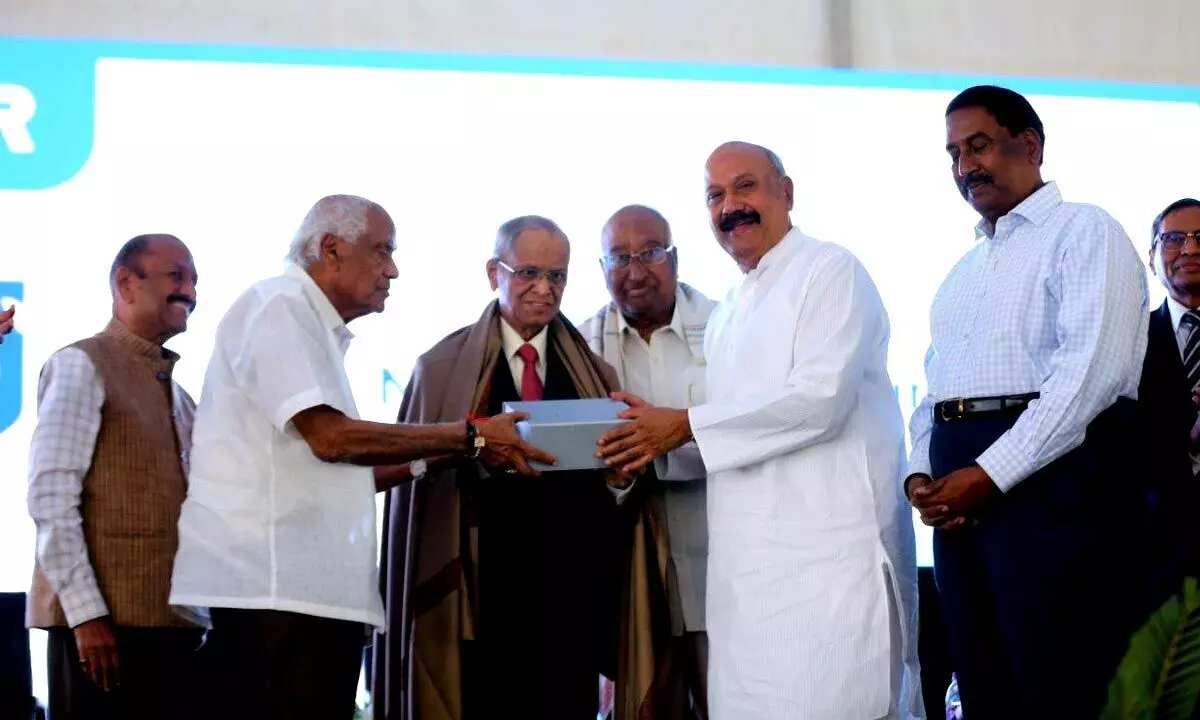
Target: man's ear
x=1033, y=145
x=328, y=247
x=789, y=191
x=491, y=273
x=124, y=282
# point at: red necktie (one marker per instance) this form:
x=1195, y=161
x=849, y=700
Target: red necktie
x=531, y=384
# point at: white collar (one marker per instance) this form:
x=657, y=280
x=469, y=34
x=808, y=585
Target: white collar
x=320, y=302
x=1035, y=209
x=782, y=249
x=675, y=326
x=512, y=341
x=1177, y=310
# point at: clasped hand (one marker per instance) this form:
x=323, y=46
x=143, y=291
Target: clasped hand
x=950, y=501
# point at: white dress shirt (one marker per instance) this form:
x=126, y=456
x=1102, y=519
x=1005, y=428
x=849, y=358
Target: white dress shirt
x=665, y=373
x=1054, y=300
x=70, y=398
x=512, y=341
x=1177, y=311
x=266, y=525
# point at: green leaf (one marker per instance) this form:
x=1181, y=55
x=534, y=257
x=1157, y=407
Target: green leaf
x=1159, y=677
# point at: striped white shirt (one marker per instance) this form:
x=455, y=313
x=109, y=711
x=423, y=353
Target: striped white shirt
x=1053, y=300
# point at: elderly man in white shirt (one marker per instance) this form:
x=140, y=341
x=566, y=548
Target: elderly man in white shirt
x=1022, y=445
x=652, y=334
x=812, y=563
x=277, y=535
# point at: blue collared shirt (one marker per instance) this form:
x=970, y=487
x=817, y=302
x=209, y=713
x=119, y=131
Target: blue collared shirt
x=1053, y=300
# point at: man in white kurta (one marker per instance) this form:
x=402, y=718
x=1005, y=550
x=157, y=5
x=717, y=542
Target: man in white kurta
x=812, y=607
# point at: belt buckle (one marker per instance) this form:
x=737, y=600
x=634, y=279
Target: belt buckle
x=962, y=408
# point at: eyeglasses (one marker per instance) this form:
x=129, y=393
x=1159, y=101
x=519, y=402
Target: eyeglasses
x=556, y=278
x=1174, y=240
x=650, y=256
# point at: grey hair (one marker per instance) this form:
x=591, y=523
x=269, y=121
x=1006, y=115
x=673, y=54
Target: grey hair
x=344, y=216
x=511, y=230
x=775, y=161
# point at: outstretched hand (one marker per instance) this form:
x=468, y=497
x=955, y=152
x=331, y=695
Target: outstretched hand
x=651, y=432
x=504, y=447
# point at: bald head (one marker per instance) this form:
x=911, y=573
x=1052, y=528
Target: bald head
x=749, y=199
x=640, y=267
x=153, y=282
x=767, y=154
x=634, y=215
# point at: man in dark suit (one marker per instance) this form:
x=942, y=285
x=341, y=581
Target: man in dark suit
x=1170, y=379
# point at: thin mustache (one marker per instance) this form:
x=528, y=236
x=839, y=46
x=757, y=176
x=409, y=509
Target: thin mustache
x=190, y=303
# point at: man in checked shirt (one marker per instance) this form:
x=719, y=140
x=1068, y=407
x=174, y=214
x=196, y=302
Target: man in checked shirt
x=106, y=480
x=1023, y=447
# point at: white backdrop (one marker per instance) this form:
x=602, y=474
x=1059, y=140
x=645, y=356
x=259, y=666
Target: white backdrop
x=229, y=156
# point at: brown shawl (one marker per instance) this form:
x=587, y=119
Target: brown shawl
x=430, y=543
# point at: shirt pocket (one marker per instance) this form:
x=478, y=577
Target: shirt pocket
x=693, y=383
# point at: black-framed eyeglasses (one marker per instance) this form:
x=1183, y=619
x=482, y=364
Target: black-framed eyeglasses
x=649, y=256
x=1174, y=240
x=557, y=278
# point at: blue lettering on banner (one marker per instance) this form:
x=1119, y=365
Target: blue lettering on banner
x=46, y=113
x=11, y=376
x=389, y=382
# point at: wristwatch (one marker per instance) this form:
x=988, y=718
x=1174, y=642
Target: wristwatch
x=475, y=441
x=417, y=469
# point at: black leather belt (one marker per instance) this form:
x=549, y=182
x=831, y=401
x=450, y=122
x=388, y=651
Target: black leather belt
x=959, y=408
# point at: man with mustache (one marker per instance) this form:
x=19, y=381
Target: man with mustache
x=107, y=475
x=277, y=535
x=1021, y=445
x=502, y=591
x=652, y=333
x=1168, y=395
x=812, y=562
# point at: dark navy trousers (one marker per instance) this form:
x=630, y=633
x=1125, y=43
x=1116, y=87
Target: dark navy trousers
x=1041, y=597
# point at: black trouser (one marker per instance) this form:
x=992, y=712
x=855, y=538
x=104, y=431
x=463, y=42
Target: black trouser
x=157, y=671
x=270, y=665
x=1041, y=597
x=548, y=598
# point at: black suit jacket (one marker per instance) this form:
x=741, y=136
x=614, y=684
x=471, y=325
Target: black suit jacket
x=1165, y=400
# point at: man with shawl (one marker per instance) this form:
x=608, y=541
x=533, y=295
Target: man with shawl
x=509, y=593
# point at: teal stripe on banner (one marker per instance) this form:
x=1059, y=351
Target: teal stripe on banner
x=48, y=48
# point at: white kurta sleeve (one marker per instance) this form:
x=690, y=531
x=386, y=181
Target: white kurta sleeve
x=838, y=318
x=70, y=399
x=282, y=365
